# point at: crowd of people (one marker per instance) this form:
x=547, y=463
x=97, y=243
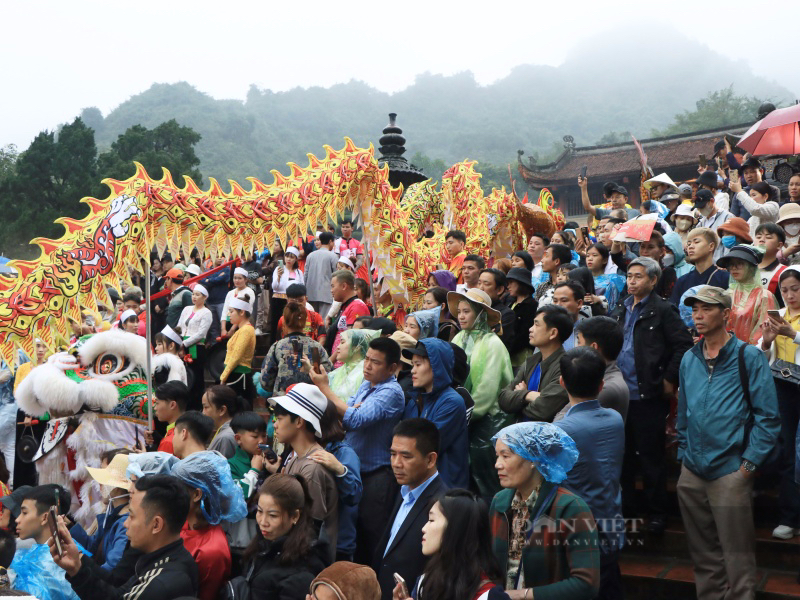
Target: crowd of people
x=485, y=444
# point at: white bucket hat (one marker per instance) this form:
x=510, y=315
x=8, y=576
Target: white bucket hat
x=305, y=401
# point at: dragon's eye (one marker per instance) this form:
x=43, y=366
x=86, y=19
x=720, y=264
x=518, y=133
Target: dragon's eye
x=109, y=363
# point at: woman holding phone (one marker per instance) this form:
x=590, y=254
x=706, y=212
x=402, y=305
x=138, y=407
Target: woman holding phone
x=283, y=363
x=781, y=341
x=457, y=541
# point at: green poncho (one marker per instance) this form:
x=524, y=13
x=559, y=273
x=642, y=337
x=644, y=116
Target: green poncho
x=489, y=364
x=346, y=380
x=489, y=372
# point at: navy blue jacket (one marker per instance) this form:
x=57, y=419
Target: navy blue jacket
x=445, y=407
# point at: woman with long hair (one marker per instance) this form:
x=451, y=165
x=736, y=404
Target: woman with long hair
x=285, y=555
x=584, y=276
x=780, y=337
x=457, y=541
x=608, y=285
x=448, y=326
x=489, y=372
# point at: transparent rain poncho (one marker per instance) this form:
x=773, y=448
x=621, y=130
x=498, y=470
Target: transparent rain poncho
x=750, y=305
x=546, y=445
x=149, y=463
x=489, y=364
x=428, y=322
x=222, y=497
x=346, y=380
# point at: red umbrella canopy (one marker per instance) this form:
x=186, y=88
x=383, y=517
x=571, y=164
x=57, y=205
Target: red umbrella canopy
x=777, y=133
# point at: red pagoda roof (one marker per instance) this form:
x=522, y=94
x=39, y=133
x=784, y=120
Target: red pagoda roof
x=615, y=160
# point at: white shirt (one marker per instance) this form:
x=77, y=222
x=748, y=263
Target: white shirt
x=245, y=294
x=193, y=325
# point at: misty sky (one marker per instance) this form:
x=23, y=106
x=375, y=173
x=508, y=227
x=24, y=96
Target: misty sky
x=59, y=57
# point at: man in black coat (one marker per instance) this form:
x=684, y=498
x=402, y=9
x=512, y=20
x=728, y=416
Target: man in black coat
x=655, y=340
x=493, y=282
x=165, y=570
x=415, y=446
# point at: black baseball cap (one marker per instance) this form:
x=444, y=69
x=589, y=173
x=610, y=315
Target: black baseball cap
x=703, y=197
x=611, y=187
x=418, y=350
x=13, y=501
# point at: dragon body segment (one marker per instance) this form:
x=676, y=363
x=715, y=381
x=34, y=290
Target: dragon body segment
x=117, y=235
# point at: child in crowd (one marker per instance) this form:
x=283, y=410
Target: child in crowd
x=771, y=238
x=247, y=470
x=563, y=271
x=170, y=403
x=168, y=363
x=250, y=430
x=110, y=538
x=36, y=572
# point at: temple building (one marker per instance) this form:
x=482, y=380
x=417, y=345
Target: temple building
x=677, y=155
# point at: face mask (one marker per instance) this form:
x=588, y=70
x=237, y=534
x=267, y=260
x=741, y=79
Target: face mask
x=668, y=260
x=682, y=224
x=792, y=229
x=729, y=241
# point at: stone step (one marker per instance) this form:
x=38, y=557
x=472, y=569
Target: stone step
x=771, y=553
x=646, y=578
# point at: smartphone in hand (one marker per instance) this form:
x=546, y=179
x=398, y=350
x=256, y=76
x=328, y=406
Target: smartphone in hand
x=399, y=580
x=315, y=359
x=774, y=314
x=701, y=158
x=585, y=232
x=268, y=452
x=584, y=168
x=52, y=522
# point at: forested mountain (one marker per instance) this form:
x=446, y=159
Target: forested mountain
x=606, y=84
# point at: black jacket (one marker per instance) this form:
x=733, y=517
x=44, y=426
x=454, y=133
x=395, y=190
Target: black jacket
x=405, y=554
x=524, y=313
x=169, y=572
x=275, y=581
x=660, y=339
x=507, y=321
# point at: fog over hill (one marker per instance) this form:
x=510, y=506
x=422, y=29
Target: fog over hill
x=604, y=85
